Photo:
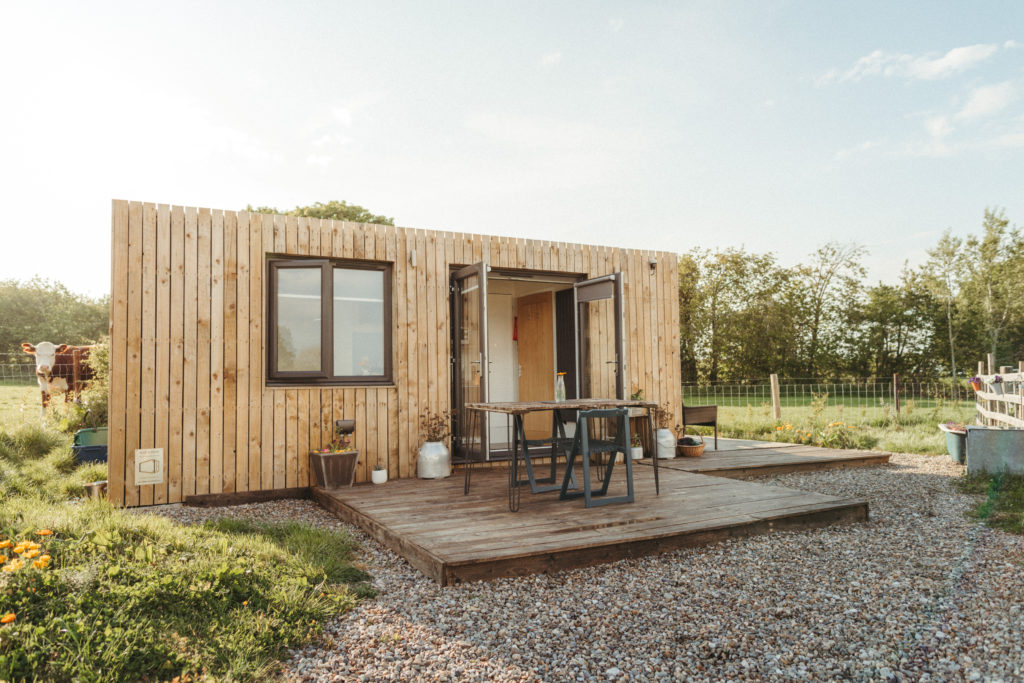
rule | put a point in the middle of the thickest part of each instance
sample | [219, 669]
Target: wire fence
[17, 369]
[804, 392]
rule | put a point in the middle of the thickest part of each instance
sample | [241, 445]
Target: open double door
[596, 324]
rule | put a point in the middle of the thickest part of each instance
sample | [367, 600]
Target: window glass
[298, 319]
[358, 322]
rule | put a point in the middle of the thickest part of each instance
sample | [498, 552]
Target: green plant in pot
[335, 464]
[434, 460]
[636, 450]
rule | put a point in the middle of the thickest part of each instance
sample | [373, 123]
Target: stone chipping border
[920, 592]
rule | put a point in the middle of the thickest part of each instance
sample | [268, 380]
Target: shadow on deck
[451, 537]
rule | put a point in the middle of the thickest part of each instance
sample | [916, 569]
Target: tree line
[744, 315]
[45, 310]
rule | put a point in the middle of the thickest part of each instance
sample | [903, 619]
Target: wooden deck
[451, 537]
[738, 458]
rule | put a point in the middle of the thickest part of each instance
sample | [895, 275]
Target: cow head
[46, 356]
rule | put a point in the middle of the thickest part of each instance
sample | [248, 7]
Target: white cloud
[858, 149]
[551, 134]
[1010, 44]
[986, 100]
[342, 115]
[902, 65]
[321, 160]
[1009, 140]
[615, 25]
[938, 126]
[551, 59]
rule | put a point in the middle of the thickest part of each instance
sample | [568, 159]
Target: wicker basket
[689, 447]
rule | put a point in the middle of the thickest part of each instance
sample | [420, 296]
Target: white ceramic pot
[379, 476]
[434, 461]
[666, 444]
[637, 452]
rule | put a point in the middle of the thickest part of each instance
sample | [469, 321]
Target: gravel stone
[919, 592]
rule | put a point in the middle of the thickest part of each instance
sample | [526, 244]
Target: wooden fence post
[991, 358]
[896, 391]
[1020, 389]
[776, 401]
[977, 401]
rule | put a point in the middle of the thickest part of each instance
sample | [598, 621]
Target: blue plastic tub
[90, 445]
[90, 453]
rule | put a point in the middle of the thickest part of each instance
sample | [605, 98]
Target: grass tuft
[1003, 504]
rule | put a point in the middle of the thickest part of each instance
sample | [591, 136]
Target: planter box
[333, 470]
[995, 450]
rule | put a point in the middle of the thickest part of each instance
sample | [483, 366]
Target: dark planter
[332, 470]
[956, 444]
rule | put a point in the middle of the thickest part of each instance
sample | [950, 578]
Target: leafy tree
[45, 310]
[333, 210]
[689, 301]
[893, 331]
[996, 270]
[830, 285]
[943, 276]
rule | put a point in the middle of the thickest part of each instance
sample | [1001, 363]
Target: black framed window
[330, 322]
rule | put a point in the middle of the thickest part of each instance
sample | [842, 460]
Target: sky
[768, 125]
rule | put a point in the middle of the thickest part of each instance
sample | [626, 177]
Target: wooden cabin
[238, 338]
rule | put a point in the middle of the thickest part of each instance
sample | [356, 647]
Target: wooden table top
[522, 407]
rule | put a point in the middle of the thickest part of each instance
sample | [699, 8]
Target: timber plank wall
[188, 343]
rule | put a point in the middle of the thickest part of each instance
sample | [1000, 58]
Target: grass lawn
[18, 403]
[1003, 503]
[915, 430]
[91, 592]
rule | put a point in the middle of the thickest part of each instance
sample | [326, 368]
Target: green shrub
[130, 597]
[71, 417]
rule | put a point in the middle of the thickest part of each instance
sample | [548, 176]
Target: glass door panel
[469, 299]
[600, 337]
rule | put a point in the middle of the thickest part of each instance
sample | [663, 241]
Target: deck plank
[452, 537]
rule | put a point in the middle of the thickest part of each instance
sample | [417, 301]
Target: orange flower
[44, 532]
[5, 544]
[32, 545]
[29, 554]
[7, 618]
[42, 563]
[13, 566]
[20, 548]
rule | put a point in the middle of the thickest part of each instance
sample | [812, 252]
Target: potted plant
[434, 460]
[334, 465]
[997, 385]
[956, 440]
[636, 450]
[666, 439]
[379, 475]
[975, 383]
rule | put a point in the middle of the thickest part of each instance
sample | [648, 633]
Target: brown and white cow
[60, 368]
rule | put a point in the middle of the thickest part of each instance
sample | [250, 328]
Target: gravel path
[918, 593]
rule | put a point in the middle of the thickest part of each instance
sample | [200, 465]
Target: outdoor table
[516, 410]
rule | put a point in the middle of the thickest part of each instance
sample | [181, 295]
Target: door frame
[598, 289]
[461, 423]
